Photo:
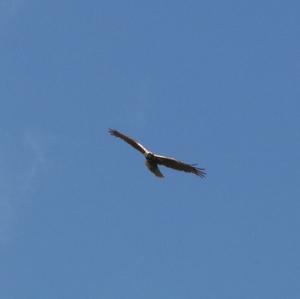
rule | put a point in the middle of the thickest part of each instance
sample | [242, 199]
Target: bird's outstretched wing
[178, 165]
[129, 140]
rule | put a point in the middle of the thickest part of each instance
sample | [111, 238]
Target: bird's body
[153, 160]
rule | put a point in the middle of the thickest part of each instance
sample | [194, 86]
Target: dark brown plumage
[153, 160]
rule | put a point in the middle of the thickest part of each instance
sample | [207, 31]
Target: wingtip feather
[200, 172]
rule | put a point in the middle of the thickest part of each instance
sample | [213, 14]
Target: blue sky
[212, 82]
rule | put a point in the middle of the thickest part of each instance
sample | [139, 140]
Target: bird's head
[149, 156]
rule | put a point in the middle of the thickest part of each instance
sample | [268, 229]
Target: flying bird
[153, 160]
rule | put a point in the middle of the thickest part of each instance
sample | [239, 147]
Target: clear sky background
[208, 82]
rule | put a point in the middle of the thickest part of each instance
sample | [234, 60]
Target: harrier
[153, 160]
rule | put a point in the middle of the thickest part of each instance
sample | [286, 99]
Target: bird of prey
[153, 160]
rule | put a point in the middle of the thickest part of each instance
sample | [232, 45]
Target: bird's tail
[154, 169]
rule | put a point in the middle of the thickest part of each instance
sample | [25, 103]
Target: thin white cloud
[38, 160]
[21, 163]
